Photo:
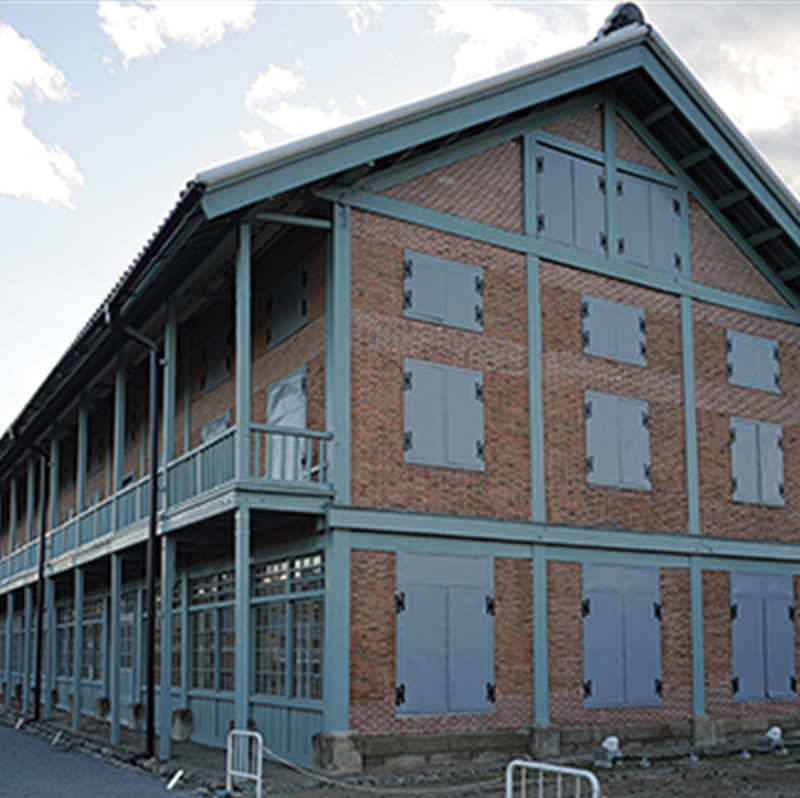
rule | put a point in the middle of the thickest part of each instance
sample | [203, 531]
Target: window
[215, 360]
[95, 452]
[289, 615]
[93, 639]
[762, 637]
[757, 462]
[17, 642]
[175, 648]
[65, 641]
[621, 636]
[68, 465]
[287, 305]
[617, 441]
[571, 200]
[752, 361]
[131, 420]
[126, 640]
[211, 620]
[286, 407]
[216, 427]
[614, 330]
[649, 224]
[443, 415]
[442, 291]
[445, 634]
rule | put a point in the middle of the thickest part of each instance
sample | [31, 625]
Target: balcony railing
[280, 456]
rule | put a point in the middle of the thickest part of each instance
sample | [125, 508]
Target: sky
[108, 109]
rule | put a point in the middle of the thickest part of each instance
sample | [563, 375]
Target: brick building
[480, 417]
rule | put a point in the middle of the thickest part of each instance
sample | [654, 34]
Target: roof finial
[624, 14]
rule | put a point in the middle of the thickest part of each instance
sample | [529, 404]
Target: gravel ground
[670, 774]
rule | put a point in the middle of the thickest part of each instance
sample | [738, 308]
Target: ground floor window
[93, 647]
[65, 641]
[213, 631]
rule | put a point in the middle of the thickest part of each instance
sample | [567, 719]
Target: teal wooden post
[535, 404]
[50, 646]
[55, 468]
[185, 642]
[187, 393]
[337, 369]
[336, 677]
[541, 697]
[114, 695]
[168, 554]
[698, 650]
[690, 417]
[9, 641]
[120, 411]
[26, 649]
[243, 355]
[12, 511]
[242, 617]
[30, 508]
[170, 379]
[78, 652]
[83, 449]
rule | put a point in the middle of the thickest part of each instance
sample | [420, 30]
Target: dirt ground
[761, 775]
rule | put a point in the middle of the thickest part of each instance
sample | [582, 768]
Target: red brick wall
[631, 148]
[372, 651]
[717, 635]
[382, 338]
[485, 187]
[568, 372]
[585, 127]
[565, 655]
[718, 262]
[717, 401]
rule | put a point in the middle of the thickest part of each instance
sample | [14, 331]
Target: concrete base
[704, 730]
[336, 753]
[102, 707]
[136, 716]
[182, 725]
[545, 741]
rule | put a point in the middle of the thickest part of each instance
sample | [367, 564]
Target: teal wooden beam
[50, 663]
[611, 167]
[337, 366]
[690, 418]
[170, 379]
[241, 709]
[114, 691]
[27, 646]
[535, 399]
[83, 450]
[698, 650]
[78, 596]
[9, 643]
[185, 652]
[337, 632]
[541, 687]
[168, 556]
[243, 354]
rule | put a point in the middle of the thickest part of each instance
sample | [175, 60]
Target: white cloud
[254, 139]
[496, 36]
[270, 86]
[143, 28]
[28, 167]
[361, 13]
[298, 120]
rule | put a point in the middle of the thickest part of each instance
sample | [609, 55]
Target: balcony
[281, 460]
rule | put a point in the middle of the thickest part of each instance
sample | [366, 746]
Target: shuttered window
[443, 415]
[762, 637]
[650, 223]
[287, 305]
[216, 427]
[442, 291]
[571, 200]
[445, 634]
[286, 407]
[621, 636]
[617, 441]
[752, 361]
[614, 330]
[216, 359]
[757, 462]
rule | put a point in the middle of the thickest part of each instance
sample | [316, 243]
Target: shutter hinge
[791, 612]
[735, 684]
[490, 605]
[586, 608]
[540, 164]
[793, 683]
[728, 343]
[587, 410]
[585, 309]
[601, 183]
[642, 325]
[399, 603]
[678, 263]
[479, 285]
[676, 207]
[647, 472]
[729, 370]
[621, 246]
[399, 694]
[586, 338]
[734, 611]
[407, 438]
[479, 392]
[656, 610]
[659, 687]
[540, 223]
[304, 308]
[620, 189]
[780, 490]
[603, 241]
[587, 688]
[479, 452]
[646, 420]
[643, 349]
[780, 443]
[778, 381]
[490, 692]
[734, 484]
[733, 435]
[408, 268]
[407, 299]
[776, 353]
[479, 315]
[408, 381]
[590, 464]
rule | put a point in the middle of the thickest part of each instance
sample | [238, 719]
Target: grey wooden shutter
[424, 280]
[216, 427]
[642, 649]
[422, 650]
[665, 208]
[602, 439]
[216, 359]
[590, 206]
[779, 629]
[464, 297]
[287, 305]
[747, 649]
[554, 194]
[633, 214]
[744, 460]
[770, 458]
[423, 413]
[464, 418]
[603, 669]
[634, 443]
[470, 650]
[614, 330]
[752, 361]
